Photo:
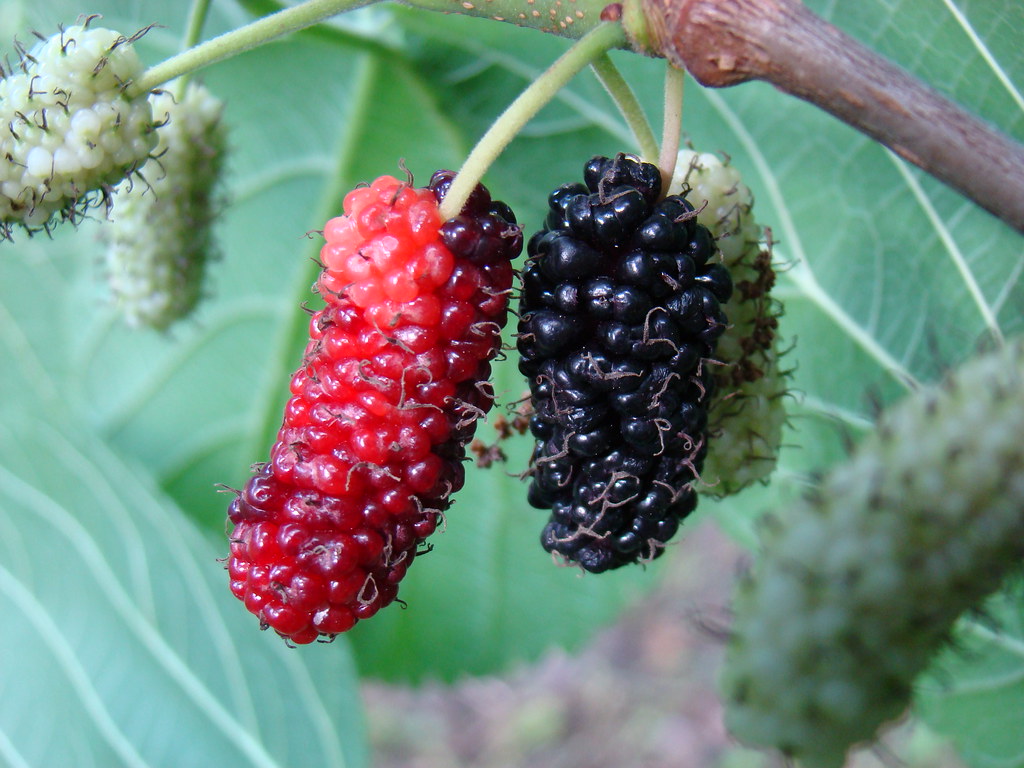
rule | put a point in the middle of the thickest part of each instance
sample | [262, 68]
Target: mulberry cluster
[394, 379]
[70, 126]
[748, 411]
[161, 231]
[860, 584]
[620, 313]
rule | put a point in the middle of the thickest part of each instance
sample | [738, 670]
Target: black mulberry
[620, 313]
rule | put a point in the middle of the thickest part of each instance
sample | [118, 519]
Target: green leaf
[117, 625]
[976, 690]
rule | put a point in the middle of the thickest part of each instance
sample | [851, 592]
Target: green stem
[193, 28]
[674, 81]
[519, 112]
[194, 25]
[243, 39]
[628, 105]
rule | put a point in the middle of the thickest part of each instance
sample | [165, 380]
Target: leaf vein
[198, 588]
[10, 753]
[239, 311]
[1000, 639]
[801, 273]
[985, 53]
[1008, 286]
[50, 635]
[63, 522]
[955, 254]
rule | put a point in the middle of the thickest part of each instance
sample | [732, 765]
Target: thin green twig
[628, 105]
[194, 26]
[595, 43]
[193, 29]
[675, 79]
[243, 39]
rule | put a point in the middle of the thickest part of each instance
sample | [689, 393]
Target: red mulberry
[394, 378]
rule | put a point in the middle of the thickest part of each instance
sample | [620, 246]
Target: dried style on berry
[621, 310]
[160, 233]
[71, 129]
[394, 380]
[860, 584]
[748, 410]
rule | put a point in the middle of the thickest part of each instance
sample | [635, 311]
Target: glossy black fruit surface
[620, 313]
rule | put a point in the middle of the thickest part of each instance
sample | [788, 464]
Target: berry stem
[193, 29]
[194, 26]
[628, 105]
[243, 39]
[594, 44]
[675, 79]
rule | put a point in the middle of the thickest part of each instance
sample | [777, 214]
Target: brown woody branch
[725, 42]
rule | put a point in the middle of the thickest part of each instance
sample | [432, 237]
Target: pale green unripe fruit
[724, 201]
[160, 232]
[748, 411]
[860, 584]
[70, 127]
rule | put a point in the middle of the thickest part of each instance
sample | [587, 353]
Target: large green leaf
[975, 692]
[121, 646]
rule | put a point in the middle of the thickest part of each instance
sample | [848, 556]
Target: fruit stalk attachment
[675, 79]
[628, 106]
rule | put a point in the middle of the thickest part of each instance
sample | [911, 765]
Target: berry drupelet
[620, 312]
[394, 379]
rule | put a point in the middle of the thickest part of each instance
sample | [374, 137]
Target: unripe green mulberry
[161, 226]
[70, 127]
[860, 584]
[747, 411]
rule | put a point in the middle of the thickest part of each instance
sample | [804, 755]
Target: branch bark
[725, 42]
